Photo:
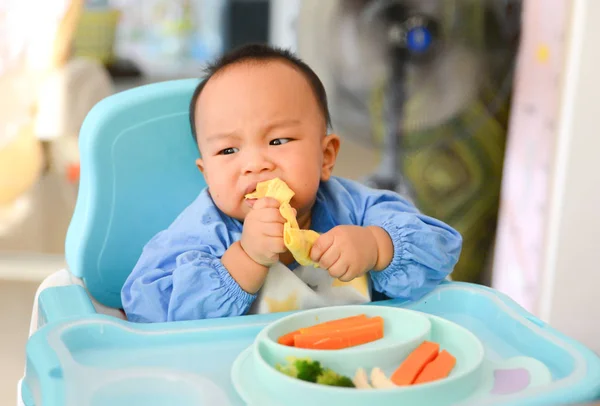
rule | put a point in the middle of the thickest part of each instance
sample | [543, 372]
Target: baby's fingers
[272, 229]
[276, 245]
[269, 215]
[330, 258]
[321, 246]
[266, 203]
[340, 270]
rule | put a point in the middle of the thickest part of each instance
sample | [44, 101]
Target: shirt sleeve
[179, 275]
[425, 249]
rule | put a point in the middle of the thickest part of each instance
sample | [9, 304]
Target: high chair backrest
[138, 173]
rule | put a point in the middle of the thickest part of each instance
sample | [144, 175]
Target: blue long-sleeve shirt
[179, 275]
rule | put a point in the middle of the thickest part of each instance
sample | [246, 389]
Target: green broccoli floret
[312, 371]
[289, 370]
[332, 378]
[304, 369]
[308, 370]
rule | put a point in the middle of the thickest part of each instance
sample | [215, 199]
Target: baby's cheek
[308, 190]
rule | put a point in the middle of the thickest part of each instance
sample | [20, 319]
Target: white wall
[282, 30]
[569, 297]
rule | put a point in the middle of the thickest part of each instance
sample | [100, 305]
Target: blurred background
[467, 107]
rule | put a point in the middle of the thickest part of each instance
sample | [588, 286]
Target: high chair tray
[94, 359]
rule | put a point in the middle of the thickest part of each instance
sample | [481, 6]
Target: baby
[261, 114]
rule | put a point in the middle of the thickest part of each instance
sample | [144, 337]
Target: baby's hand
[262, 236]
[346, 252]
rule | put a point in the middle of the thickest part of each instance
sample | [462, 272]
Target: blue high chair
[137, 174]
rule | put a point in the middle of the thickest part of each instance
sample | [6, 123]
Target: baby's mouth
[250, 192]
[251, 188]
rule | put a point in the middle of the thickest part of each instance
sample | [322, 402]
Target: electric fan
[428, 84]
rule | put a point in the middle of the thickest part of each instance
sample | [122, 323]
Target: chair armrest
[63, 302]
[64, 278]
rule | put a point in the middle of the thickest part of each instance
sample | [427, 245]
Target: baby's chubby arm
[248, 260]
[425, 250]
[183, 274]
[414, 252]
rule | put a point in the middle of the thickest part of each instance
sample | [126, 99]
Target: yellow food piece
[298, 241]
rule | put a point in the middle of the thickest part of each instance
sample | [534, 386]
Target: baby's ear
[200, 164]
[331, 147]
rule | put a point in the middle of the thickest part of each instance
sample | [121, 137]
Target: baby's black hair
[260, 52]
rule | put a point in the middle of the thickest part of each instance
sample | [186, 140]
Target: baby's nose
[257, 162]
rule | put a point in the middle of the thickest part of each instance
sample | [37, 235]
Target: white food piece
[361, 381]
[379, 380]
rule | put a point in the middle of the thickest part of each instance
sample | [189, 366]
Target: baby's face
[260, 120]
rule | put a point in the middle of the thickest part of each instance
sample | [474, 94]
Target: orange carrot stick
[410, 368]
[340, 329]
[346, 341]
[288, 339]
[342, 337]
[345, 322]
[439, 368]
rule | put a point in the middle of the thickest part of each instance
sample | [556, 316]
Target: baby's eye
[228, 151]
[279, 141]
